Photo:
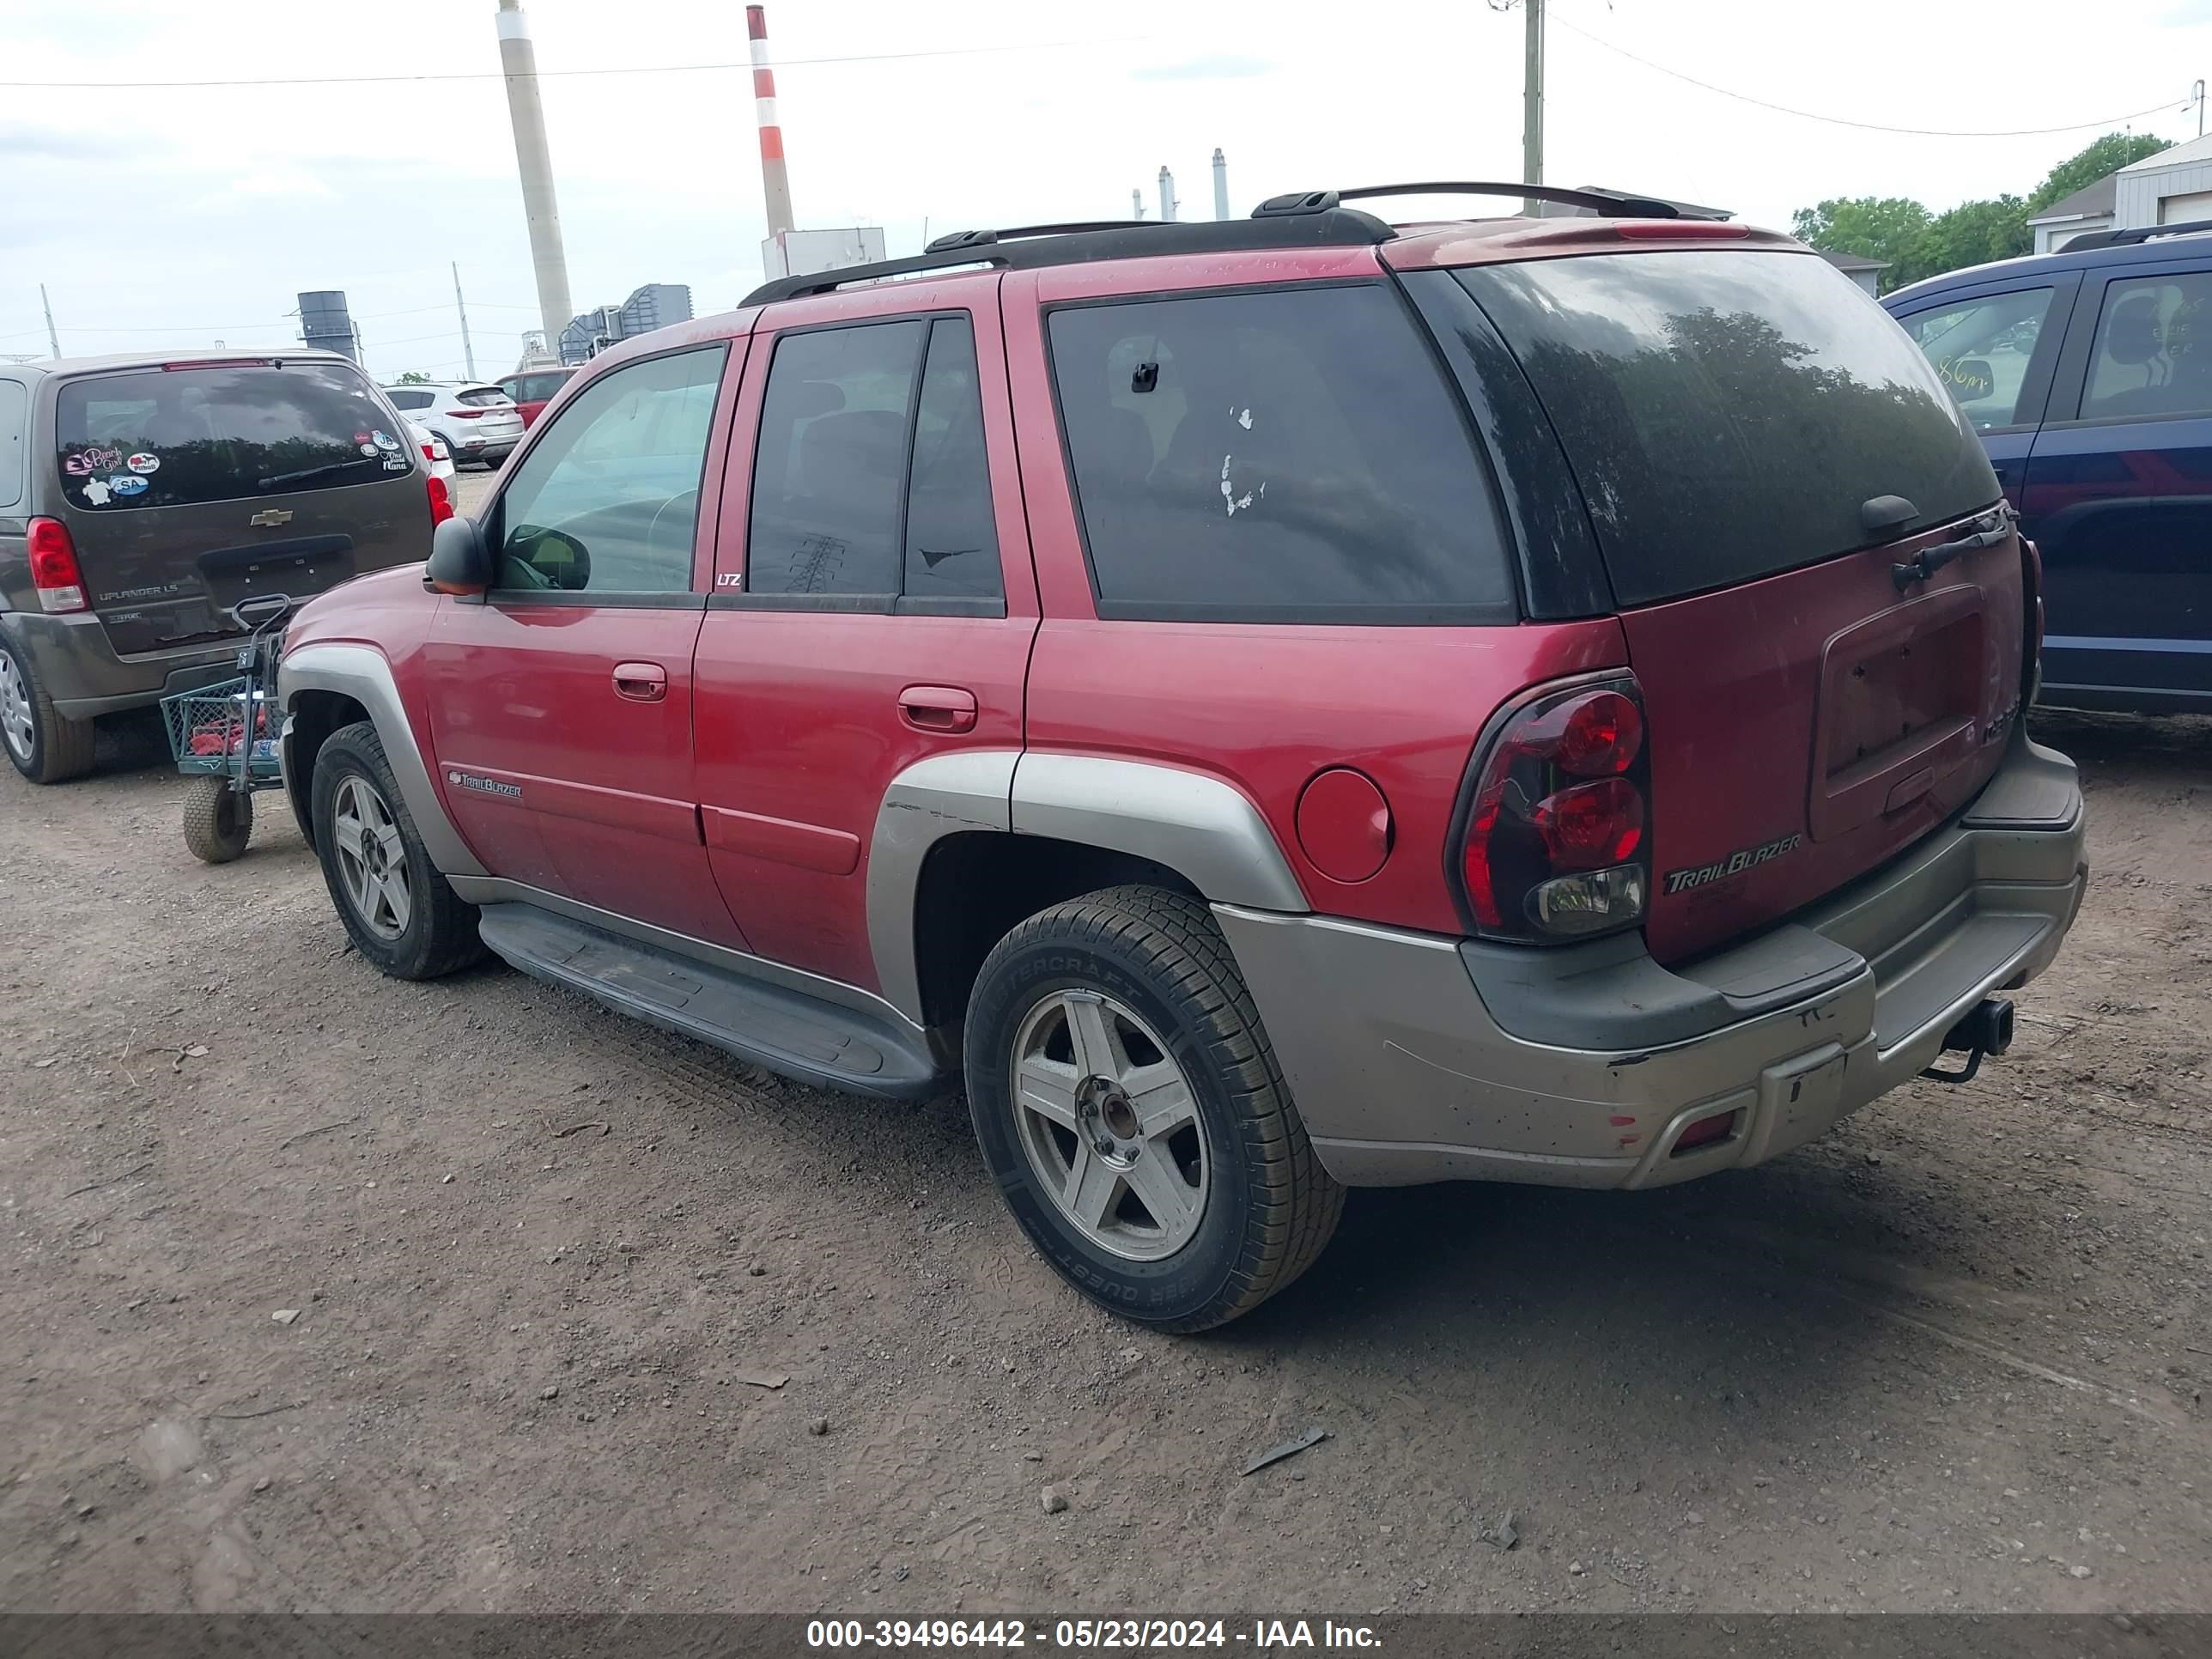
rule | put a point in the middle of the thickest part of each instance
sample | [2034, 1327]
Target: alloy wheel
[15, 724]
[1110, 1124]
[372, 857]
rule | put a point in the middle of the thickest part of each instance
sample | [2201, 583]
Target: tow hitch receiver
[1985, 1030]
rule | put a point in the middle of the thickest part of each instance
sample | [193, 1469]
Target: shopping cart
[224, 736]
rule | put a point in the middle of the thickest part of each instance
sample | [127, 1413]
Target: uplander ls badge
[1681, 881]
[461, 779]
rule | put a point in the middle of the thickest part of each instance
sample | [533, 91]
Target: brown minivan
[140, 499]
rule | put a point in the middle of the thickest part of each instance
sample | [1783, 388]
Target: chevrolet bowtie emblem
[273, 515]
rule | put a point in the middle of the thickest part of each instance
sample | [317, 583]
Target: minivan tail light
[441, 504]
[1557, 817]
[54, 571]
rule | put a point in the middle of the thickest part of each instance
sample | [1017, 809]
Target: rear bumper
[1416, 1058]
[482, 446]
[73, 659]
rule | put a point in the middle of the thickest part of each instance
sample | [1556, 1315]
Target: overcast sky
[174, 218]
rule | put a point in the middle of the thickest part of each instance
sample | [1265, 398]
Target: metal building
[654, 305]
[326, 324]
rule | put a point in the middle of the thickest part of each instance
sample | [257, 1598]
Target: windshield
[175, 437]
[1727, 414]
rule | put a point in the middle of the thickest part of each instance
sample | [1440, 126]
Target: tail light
[441, 504]
[466, 413]
[54, 569]
[429, 452]
[1557, 817]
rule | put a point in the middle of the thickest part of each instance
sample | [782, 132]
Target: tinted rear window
[1727, 414]
[1292, 454]
[176, 437]
[482, 397]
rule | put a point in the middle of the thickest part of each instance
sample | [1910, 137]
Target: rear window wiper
[1991, 528]
[324, 471]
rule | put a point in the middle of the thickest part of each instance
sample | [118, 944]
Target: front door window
[608, 502]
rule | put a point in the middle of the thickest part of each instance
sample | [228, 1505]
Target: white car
[434, 449]
[478, 423]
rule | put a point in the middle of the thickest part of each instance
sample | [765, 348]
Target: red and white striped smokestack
[776, 182]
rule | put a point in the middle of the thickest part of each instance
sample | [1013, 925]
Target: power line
[546, 74]
[1842, 121]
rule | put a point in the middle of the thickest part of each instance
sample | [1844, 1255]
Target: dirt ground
[1954, 1356]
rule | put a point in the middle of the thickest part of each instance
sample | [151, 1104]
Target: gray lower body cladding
[1415, 1058]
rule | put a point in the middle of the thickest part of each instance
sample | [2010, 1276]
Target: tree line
[1916, 243]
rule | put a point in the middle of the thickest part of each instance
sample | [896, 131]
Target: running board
[786, 1030]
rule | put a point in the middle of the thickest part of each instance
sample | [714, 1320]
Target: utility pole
[52, 339]
[2196, 92]
[1532, 104]
[468, 351]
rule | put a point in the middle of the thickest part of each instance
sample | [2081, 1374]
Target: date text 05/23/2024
[1123, 1635]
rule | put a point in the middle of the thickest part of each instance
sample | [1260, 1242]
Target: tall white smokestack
[518, 58]
[1220, 185]
[1166, 196]
[775, 181]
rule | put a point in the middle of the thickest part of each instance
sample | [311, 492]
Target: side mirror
[460, 562]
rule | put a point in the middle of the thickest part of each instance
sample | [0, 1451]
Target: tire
[45, 746]
[218, 820]
[398, 906]
[1239, 1206]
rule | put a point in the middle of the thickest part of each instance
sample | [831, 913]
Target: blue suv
[2088, 374]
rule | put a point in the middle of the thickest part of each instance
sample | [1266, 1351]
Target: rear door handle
[641, 682]
[938, 708]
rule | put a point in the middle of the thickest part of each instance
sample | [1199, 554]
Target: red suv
[1272, 705]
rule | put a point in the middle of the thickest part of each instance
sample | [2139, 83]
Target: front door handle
[938, 708]
[641, 682]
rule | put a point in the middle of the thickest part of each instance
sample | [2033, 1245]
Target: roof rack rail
[1030, 248]
[1607, 203]
[2089, 239]
[987, 238]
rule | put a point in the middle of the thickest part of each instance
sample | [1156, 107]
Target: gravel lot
[1954, 1356]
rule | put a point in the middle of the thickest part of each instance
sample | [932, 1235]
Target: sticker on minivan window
[85, 462]
[95, 492]
[144, 463]
[126, 484]
[383, 440]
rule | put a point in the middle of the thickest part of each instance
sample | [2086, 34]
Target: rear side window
[1982, 349]
[871, 482]
[1291, 455]
[174, 438]
[1727, 414]
[405, 398]
[2154, 351]
[951, 539]
[15, 418]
